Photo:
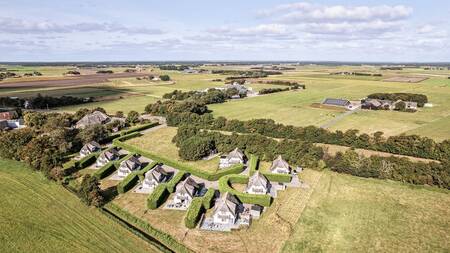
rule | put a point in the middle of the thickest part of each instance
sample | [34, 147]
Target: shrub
[253, 163]
[87, 160]
[164, 77]
[282, 178]
[175, 180]
[208, 198]
[224, 186]
[105, 170]
[127, 183]
[194, 212]
[139, 128]
[158, 196]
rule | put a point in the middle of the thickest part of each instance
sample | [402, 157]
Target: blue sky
[50, 30]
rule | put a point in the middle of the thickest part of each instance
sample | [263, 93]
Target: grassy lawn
[160, 142]
[350, 214]
[37, 215]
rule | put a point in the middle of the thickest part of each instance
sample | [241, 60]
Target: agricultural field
[291, 107]
[38, 215]
[350, 214]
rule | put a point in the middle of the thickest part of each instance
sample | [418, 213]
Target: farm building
[185, 191]
[226, 210]
[154, 177]
[280, 166]
[128, 166]
[90, 148]
[94, 118]
[343, 103]
[234, 157]
[377, 104]
[107, 156]
[257, 184]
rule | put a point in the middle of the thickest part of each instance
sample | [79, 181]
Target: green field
[350, 214]
[37, 215]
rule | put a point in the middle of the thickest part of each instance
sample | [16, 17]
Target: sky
[225, 30]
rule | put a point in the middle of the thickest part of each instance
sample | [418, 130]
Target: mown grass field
[350, 214]
[37, 215]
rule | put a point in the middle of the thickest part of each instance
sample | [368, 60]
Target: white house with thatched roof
[185, 192]
[234, 157]
[128, 166]
[226, 210]
[107, 156]
[280, 166]
[93, 118]
[154, 177]
[257, 184]
[89, 148]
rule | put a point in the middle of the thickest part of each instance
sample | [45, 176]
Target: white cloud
[21, 26]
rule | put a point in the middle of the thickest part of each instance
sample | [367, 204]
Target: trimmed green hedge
[253, 164]
[282, 178]
[128, 182]
[208, 198]
[147, 168]
[158, 196]
[194, 212]
[166, 239]
[175, 180]
[202, 174]
[126, 137]
[73, 166]
[224, 186]
[105, 170]
[139, 128]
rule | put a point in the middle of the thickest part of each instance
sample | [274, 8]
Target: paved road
[339, 117]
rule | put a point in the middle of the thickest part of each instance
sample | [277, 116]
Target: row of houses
[228, 211]
[279, 166]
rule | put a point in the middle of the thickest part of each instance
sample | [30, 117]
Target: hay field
[37, 215]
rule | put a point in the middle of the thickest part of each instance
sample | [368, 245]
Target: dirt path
[339, 117]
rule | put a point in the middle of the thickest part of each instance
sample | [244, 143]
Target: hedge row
[73, 166]
[105, 170]
[127, 137]
[208, 198]
[194, 212]
[253, 164]
[147, 168]
[224, 186]
[282, 178]
[175, 180]
[202, 174]
[139, 128]
[128, 182]
[158, 196]
[165, 239]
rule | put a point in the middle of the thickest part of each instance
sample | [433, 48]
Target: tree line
[410, 97]
[42, 102]
[197, 114]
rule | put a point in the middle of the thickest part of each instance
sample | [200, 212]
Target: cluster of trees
[105, 72]
[284, 83]
[411, 145]
[172, 106]
[212, 96]
[240, 74]
[195, 143]
[34, 73]
[356, 73]
[164, 77]
[412, 97]
[174, 67]
[7, 74]
[73, 72]
[42, 102]
[274, 90]
[393, 168]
